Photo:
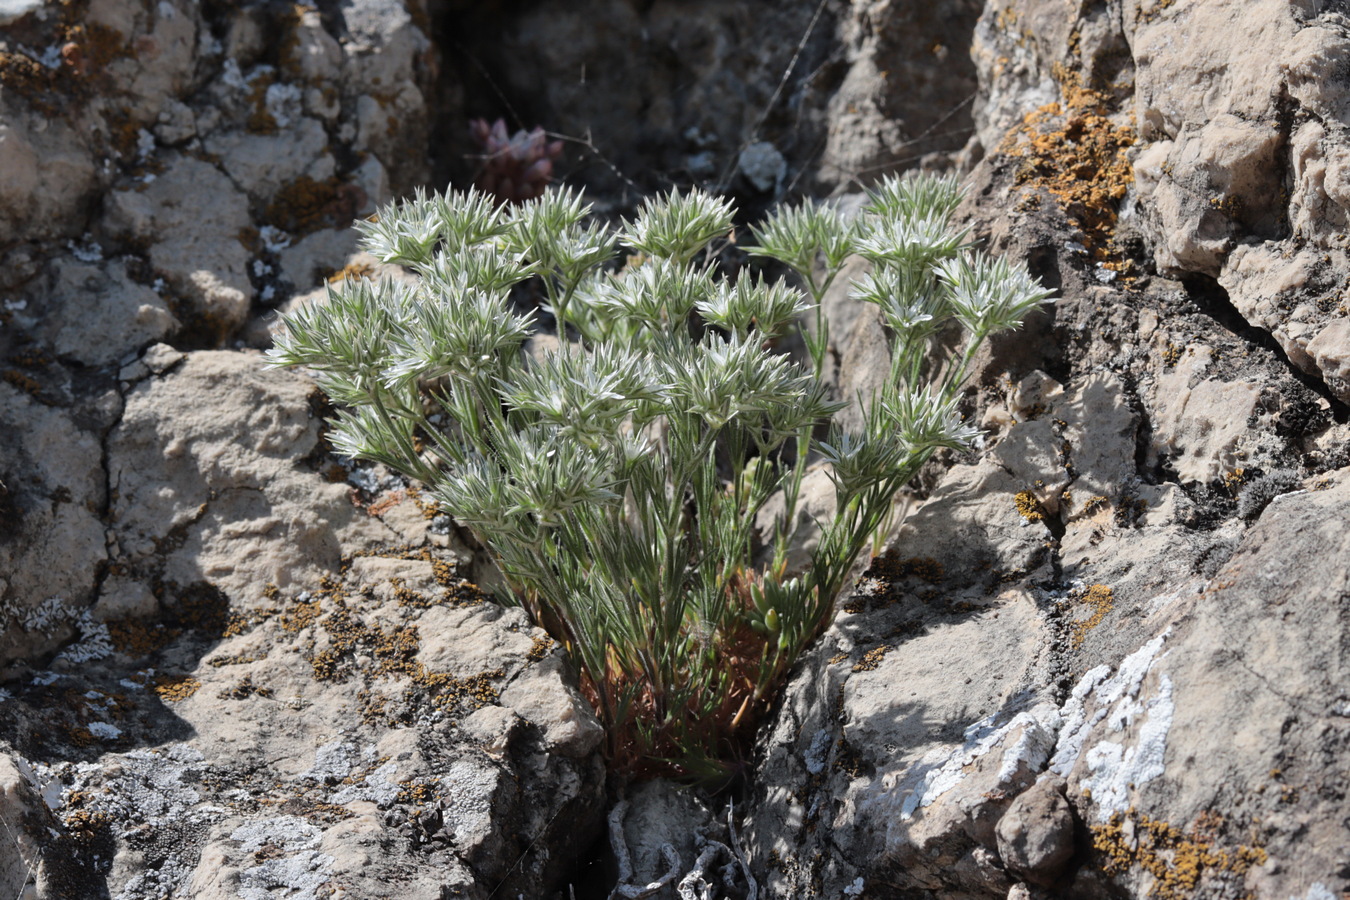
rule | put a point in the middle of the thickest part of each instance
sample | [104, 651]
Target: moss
[1177, 860]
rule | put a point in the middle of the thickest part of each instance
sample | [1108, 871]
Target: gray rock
[200, 255]
[1036, 834]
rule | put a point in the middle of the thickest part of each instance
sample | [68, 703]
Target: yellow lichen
[1028, 507]
[1099, 599]
[1177, 860]
[871, 659]
[175, 688]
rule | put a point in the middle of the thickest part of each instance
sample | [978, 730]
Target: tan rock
[200, 254]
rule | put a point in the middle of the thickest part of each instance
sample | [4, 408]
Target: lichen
[175, 688]
[1028, 507]
[1077, 153]
[1178, 860]
[1099, 599]
[306, 205]
[871, 659]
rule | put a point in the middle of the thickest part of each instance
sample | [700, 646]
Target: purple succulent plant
[516, 167]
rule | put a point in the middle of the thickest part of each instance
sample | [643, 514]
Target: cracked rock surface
[1102, 655]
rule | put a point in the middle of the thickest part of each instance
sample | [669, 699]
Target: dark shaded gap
[1212, 300]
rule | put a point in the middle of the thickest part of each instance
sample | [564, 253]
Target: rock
[891, 106]
[200, 255]
[1202, 422]
[388, 74]
[213, 493]
[1035, 835]
[816, 503]
[311, 743]
[261, 164]
[763, 166]
[661, 813]
[12, 10]
[159, 56]
[23, 870]
[51, 540]
[48, 178]
[311, 260]
[99, 314]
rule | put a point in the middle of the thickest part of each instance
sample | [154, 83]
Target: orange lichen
[1177, 860]
[351, 272]
[306, 205]
[539, 648]
[871, 659]
[175, 688]
[1074, 151]
[136, 638]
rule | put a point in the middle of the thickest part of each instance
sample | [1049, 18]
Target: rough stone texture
[95, 313]
[1240, 168]
[680, 90]
[1035, 835]
[200, 255]
[905, 91]
[310, 746]
[1101, 509]
[1135, 586]
[214, 493]
[51, 542]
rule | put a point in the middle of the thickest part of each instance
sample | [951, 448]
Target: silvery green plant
[617, 477]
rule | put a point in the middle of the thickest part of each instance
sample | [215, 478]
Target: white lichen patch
[161, 883]
[105, 731]
[468, 789]
[283, 102]
[95, 642]
[332, 762]
[379, 787]
[1116, 767]
[1114, 770]
[297, 873]
[944, 769]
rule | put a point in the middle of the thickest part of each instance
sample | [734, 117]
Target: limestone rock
[200, 255]
[307, 741]
[98, 314]
[48, 177]
[213, 492]
[51, 541]
[1035, 835]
